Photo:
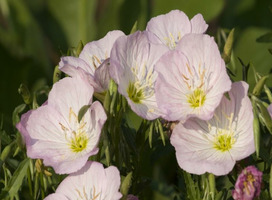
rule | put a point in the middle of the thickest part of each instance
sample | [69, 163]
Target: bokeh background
[34, 34]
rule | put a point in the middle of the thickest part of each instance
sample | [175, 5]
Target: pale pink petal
[196, 65]
[92, 180]
[70, 93]
[102, 76]
[69, 65]
[170, 28]
[198, 149]
[132, 63]
[54, 133]
[21, 126]
[198, 24]
[96, 52]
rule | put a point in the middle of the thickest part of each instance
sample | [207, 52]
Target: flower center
[171, 41]
[134, 93]
[223, 142]
[79, 142]
[76, 136]
[197, 98]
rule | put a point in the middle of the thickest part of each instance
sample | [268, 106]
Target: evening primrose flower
[214, 146]
[92, 182]
[248, 184]
[191, 79]
[93, 60]
[132, 68]
[171, 27]
[54, 133]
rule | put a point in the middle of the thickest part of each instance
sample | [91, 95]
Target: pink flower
[93, 60]
[214, 146]
[191, 79]
[171, 27]
[53, 133]
[132, 67]
[248, 184]
[132, 197]
[92, 182]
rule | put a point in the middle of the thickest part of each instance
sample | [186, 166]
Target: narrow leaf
[24, 92]
[150, 134]
[16, 112]
[126, 184]
[161, 131]
[57, 74]
[259, 86]
[82, 112]
[212, 185]
[134, 28]
[256, 128]
[228, 47]
[16, 181]
[266, 38]
[266, 116]
[79, 48]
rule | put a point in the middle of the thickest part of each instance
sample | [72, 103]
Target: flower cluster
[172, 70]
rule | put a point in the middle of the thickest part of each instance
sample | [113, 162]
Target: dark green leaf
[134, 28]
[266, 38]
[265, 116]
[228, 47]
[256, 128]
[259, 86]
[24, 92]
[56, 75]
[16, 181]
[82, 112]
[16, 112]
[126, 184]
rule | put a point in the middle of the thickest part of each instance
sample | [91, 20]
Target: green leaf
[265, 116]
[126, 184]
[212, 185]
[6, 152]
[161, 131]
[106, 102]
[82, 112]
[259, 86]
[24, 92]
[266, 38]
[79, 48]
[134, 28]
[56, 75]
[16, 112]
[16, 181]
[228, 47]
[190, 186]
[256, 128]
[150, 135]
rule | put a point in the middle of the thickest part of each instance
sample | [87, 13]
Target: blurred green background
[35, 33]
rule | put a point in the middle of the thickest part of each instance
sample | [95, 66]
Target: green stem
[212, 188]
